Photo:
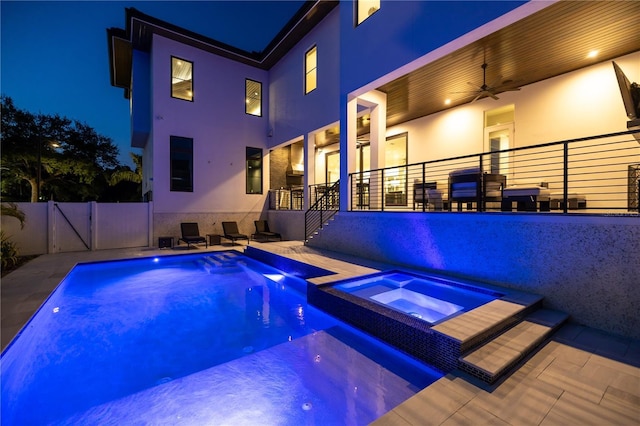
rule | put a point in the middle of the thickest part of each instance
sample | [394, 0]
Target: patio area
[581, 376]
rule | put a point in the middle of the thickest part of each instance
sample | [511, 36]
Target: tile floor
[582, 376]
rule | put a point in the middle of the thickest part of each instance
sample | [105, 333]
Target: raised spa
[400, 308]
[427, 298]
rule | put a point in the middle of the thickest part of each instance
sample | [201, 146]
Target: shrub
[8, 251]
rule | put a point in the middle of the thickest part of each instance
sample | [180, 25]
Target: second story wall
[292, 112]
[402, 31]
[216, 122]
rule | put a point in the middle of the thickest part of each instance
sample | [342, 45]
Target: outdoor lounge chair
[191, 234]
[263, 233]
[230, 230]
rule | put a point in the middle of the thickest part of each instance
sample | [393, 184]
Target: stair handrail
[322, 210]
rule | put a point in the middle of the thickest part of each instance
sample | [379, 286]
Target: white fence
[64, 227]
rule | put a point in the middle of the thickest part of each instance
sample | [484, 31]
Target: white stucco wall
[292, 113]
[216, 121]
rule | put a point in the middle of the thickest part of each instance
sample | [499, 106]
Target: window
[181, 153]
[254, 170]
[181, 79]
[366, 8]
[253, 97]
[311, 70]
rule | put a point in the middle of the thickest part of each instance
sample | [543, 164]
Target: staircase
[488, 342]
[322, 211]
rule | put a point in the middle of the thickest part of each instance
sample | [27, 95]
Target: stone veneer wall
[585, 265]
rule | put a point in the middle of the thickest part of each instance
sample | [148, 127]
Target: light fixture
[592, 54]
[447, 101]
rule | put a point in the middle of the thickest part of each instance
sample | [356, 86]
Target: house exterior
[221, 129]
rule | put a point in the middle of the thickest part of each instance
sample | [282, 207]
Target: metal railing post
[565, 183]
[424, 189]
[382, 201]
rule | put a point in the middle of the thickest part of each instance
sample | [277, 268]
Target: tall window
[181, 153]
[253, 97]
[254, 170]
[181, 79]
[366, 8]
[311, 70]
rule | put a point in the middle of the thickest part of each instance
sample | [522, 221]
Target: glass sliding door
[395, 176]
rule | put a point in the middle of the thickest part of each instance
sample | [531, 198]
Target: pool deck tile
[581, 376]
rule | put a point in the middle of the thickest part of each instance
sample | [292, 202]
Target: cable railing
[598, 174]
[286, 198]
[324, 208]
[291, 198]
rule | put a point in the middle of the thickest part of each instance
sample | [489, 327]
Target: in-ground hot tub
[400, 307]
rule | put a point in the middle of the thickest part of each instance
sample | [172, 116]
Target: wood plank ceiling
[551, 42]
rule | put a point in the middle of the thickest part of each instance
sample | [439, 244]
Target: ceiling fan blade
[476, 98]
[475, 86]
[495, 81]
[493, 96]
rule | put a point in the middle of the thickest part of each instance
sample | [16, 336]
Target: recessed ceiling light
[592, 54]
[447, 101]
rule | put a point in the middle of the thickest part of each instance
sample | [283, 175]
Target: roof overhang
[120, 56]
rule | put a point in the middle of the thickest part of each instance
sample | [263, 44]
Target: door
[499, 138]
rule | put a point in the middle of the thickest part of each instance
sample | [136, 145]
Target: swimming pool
[203, 339]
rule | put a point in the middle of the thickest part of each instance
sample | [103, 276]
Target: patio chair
[427, 195]
[191, 234]
[230, 230]
[263, 233]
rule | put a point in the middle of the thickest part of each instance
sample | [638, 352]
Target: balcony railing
[286, 198]
[599, 174]
[291, 198]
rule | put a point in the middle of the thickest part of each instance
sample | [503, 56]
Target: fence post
[93, 230]
[51, 228]
[150, 223]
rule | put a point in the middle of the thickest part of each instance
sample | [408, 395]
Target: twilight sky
[54, 56]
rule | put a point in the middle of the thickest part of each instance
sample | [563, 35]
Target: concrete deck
[581, 377]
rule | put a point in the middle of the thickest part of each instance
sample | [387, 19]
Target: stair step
[495, 358]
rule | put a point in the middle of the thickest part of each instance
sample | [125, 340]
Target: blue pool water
[431, 299]
[196, 339]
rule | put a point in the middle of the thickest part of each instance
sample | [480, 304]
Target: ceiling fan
[487, 89]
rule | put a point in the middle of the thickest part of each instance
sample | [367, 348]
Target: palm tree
[8, 249]
[11, 209]
[126, 174]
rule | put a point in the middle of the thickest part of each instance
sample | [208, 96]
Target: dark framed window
[254, 170]
[364, 9]
[181, 154]
[253, 97]
[311, 70]
[181, 79]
